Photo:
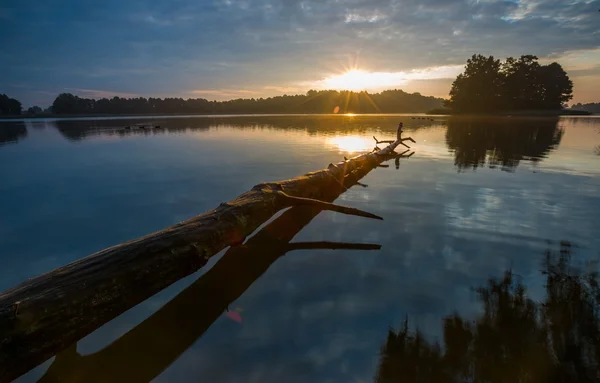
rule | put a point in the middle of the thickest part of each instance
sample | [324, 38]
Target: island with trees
[515, 86]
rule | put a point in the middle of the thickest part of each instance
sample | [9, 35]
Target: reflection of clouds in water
[426, 269]
[454, 259]
[321, 315]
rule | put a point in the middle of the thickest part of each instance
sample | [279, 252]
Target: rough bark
[46, 314]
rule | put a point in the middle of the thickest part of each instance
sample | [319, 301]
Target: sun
[354, 79]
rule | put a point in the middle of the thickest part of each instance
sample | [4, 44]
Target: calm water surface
[479, 197]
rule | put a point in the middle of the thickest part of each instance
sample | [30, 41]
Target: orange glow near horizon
[354, 78]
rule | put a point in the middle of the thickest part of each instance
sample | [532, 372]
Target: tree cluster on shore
[9, 106]
[592, 107]
[488, 85]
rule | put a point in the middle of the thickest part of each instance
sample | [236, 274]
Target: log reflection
[148, 349]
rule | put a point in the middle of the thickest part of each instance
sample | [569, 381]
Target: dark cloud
[155, 47]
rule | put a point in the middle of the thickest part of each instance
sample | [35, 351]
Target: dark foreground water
[515, 200]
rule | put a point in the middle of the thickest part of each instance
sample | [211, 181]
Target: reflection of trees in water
[514, 340]
[597, 149]
[76, 130]
[501, 141]
[11, 132]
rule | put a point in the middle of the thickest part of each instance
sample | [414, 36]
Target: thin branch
[383, 142]
[299, 201]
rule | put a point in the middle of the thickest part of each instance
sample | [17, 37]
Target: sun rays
[355, 80]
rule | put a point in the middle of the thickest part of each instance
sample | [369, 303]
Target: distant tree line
[489, 85]
[327, 101]
[9, 106]
[34, 110]
[592, 107]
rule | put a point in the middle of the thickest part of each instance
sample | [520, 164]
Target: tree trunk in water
[48, 313]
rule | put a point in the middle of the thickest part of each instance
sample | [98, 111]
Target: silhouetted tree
[556, 87]
[479, 88]
[34, 110]
[9, 106]
[516, 84]
[515, 339]
[65, 103]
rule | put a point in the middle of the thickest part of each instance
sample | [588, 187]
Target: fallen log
[46, 314]
[144, 352]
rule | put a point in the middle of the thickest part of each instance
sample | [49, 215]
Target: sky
[224, 49]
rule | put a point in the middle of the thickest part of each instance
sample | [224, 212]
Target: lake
[479, 198]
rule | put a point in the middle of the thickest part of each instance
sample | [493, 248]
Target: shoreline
[192, 115]
[428, 113]
[516, 113]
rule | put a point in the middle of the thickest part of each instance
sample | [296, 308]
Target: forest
[592, 107]
[325, 101]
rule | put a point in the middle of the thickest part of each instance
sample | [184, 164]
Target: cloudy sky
[222, 49]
